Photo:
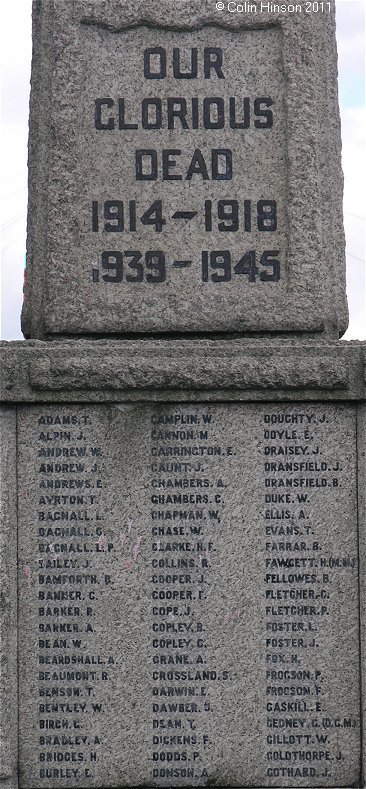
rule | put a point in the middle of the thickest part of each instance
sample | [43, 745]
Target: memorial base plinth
[182, 543]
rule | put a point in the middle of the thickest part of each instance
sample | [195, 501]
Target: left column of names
[64, 572]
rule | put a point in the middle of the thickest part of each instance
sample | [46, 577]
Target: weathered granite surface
[192, 507]
[226, 267]
[177, 369]
[49, 375]
[361, 466]
[188, 581]
[8, 601]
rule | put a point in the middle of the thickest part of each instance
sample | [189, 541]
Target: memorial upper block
[184, 169]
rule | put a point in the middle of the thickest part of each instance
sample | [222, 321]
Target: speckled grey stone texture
[265, 582]
[8, 602]
[361, 461]
[88, 50]
[184, 369]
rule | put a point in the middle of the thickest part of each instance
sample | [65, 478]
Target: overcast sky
[16, 57]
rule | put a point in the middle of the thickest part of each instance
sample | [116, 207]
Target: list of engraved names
[188, 595]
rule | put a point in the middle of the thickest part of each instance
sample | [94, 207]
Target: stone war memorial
[183, 430]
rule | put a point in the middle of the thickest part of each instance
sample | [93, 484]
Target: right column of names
[310, 560]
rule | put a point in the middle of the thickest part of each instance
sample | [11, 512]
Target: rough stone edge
[336, 177]
[8, 604]
[172, 370]
[361, 463]
[38, 147]
[149, 372]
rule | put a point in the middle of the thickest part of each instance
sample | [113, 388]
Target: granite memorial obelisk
[183, 500]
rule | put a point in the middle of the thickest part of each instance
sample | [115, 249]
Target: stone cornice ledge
[80, 370]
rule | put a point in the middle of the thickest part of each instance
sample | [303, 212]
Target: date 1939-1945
[133, 266]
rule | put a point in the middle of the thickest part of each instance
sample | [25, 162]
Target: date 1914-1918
[117, 216]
